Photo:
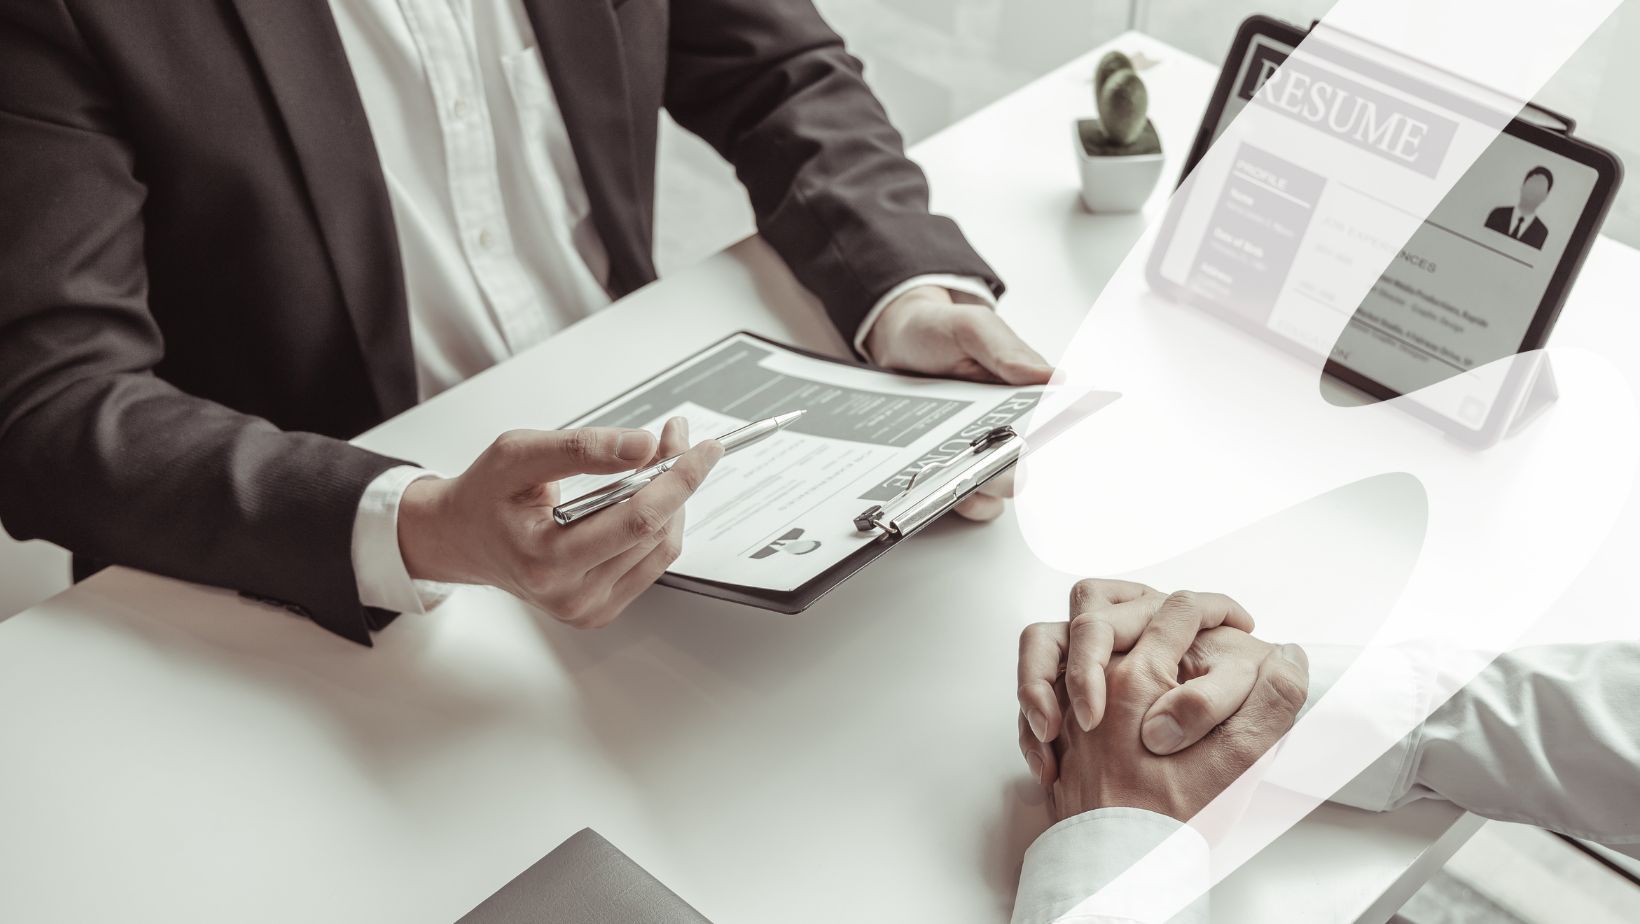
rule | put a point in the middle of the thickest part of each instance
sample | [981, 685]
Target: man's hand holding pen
[493, 523]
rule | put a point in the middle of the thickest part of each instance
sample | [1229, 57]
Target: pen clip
[616, 491]
[904, 513]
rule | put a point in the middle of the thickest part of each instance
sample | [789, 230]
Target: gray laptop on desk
[584, 881]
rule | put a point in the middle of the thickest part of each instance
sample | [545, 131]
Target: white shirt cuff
[1068, 868]
[1386, 703]
[962, 288]
[378, 565]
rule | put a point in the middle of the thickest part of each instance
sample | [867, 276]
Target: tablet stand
[1541, 392]
[1536, 390]
[1533, 391]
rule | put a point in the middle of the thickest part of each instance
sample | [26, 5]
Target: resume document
[781, 512]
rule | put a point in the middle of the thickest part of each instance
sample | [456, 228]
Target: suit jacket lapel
[581, 44]
[306, 66]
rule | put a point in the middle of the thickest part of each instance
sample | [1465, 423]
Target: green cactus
[1123, 107]
[1124, 103]
[1112, 62]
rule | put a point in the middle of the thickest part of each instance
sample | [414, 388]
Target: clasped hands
[1150, 700]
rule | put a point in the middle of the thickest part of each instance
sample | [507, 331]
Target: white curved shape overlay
[1215, 430]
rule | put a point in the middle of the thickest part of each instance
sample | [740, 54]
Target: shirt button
[486, 240]
[459, 107]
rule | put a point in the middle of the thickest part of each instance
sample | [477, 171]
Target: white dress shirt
[1542, 736]
[494, 226]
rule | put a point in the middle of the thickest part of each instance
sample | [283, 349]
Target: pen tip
[785, 419]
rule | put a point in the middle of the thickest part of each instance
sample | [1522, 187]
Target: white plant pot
[1115, 183]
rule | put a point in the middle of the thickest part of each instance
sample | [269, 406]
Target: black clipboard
[1530, 386]
[953, 479]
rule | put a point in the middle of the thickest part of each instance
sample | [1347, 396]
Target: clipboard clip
[984, 458]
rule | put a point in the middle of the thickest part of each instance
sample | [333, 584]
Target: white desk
[172, 753]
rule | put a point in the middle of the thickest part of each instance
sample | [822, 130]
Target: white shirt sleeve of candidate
[1073, 860]
[1542, 735]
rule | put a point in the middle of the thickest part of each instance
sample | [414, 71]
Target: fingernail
[634, 447]
[1084, 714]
[1034, 761]
[682, 423]
[1039, 724]
[1162, 735]
[1295, 654]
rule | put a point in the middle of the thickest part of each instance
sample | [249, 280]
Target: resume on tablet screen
[1267, 229]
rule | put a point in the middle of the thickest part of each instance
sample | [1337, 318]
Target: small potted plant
[1119, 153]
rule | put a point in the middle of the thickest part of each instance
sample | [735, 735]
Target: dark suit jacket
[1532, 235]
[200, 290]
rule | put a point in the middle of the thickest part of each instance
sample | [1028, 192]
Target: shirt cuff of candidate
[378, 565]
[1389, 703]
[962, 288]
[1068, 868]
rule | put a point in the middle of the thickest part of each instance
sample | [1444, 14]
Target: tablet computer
[1483, 277]
[584, 880]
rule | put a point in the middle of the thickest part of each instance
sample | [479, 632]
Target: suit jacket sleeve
[769, 85]
[98, 454]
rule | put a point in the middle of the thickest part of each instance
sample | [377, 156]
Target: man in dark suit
[235, 234]
[1520, 221]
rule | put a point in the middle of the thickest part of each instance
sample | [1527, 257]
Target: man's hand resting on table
[1166, 727]
[926, 331]
[493, 523]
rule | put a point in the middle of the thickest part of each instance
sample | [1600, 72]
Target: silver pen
[611, 494]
